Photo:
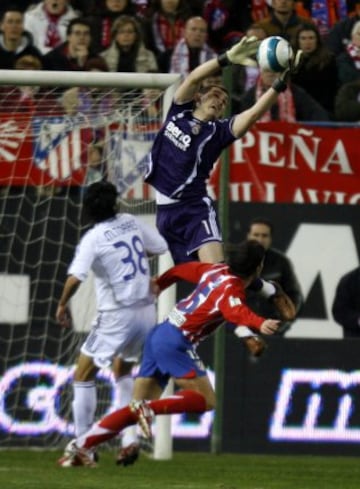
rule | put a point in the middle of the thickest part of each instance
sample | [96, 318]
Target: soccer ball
[274, 54]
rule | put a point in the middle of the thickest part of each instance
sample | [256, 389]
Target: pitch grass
[27, 469]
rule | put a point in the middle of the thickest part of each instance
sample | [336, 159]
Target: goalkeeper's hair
[206, 88]
[245, 257]
[100, 201]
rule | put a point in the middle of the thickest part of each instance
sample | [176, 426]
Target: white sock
[84, 406]
[123, 396]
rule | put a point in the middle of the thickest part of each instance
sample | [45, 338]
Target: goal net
[54, 141]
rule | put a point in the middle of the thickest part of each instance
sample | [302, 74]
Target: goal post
[60, 131]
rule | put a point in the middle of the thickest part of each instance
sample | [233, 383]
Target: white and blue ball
[274, 54]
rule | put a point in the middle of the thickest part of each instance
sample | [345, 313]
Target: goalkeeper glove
[280, 84]
[240, 53]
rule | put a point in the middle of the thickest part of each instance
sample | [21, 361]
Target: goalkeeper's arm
[241, 53]
[243, 121]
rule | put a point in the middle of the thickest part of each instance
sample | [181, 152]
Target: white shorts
[119, 333]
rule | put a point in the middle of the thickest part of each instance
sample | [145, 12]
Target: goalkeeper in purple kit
[184, 153]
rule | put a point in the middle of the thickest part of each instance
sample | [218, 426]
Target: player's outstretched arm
[190, 86]
[241, 53]
[242, 122]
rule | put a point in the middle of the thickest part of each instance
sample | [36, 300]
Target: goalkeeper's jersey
[115, 250]
[219, 296]
[185, 151]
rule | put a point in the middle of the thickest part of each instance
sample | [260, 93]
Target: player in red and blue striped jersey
[170, 348]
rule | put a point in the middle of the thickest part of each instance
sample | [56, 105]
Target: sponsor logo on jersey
[176, 318]
[177, 136]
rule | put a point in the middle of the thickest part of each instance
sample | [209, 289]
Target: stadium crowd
[178, 35]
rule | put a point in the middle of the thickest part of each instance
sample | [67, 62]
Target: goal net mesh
[54, 142]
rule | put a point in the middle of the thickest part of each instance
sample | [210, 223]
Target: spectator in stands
[32, 100]
[277, 267]
[347, 102]
[164, 26]
[127, 52]
[348, 62]
[258, 9]
[92, 102]
[92, 105]
[101, 19]
[324, 13]
[294, 104]
[192, 50]
[22, 5]
[47, 23]
[283, 20]
[346, 305]
[245, 77]
[228, 17]
[84, 7]
[317, 73]
[340, 34]
[14, 40]
[75, 52]
[217, 15]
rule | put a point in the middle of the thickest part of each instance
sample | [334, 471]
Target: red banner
[293, 163]
[42, 150]
[273, 162]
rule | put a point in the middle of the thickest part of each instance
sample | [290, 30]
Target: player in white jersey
[115, 249]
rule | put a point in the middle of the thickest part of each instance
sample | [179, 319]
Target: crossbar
[87, 79]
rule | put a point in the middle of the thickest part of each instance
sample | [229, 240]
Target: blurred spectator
[192, 50]
[14, 40]
[245, 77]
[283, 20]
[127, 52]
[294, 104]
[74, 101]
[164, 26]
[47, 22]
[324, 13]
[92, 106]
[277, 267]
[217, 14]
[340, 34]
[227, 18]
[348, 62]
[259, 9]
[101, 20]
[347, 102]
[75, 52]
[318, 71]
[346, 305]
[29, 99]
[93, 102]
[22, 5]
[84, 7]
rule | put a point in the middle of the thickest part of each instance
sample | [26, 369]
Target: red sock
[118, 420]
[107, 428]
[186, 401]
